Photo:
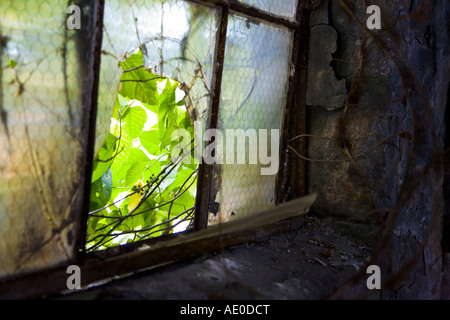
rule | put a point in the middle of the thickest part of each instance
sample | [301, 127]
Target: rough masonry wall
[377, 128]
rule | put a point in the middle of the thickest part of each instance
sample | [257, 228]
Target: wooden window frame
[290, 183]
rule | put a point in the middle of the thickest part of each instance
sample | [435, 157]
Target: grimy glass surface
[254, 93]
[284, 8]
[179, 40]
[42, 136]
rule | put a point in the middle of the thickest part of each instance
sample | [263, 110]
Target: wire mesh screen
[178, 38]
[42, 132]
[284, 8]
[253, 99]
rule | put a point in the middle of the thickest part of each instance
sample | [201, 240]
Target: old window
[236, 61]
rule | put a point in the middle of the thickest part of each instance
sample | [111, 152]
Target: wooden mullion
[90, 98]
[205, 180]
[251, 12]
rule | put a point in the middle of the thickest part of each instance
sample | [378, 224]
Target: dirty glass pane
[254, 93]
[284, 8]
[179, 40]
[42, 136]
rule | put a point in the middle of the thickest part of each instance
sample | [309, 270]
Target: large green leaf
[168, 95]
[185, 123]
[184, 202]
[157, 217]
[121, 170]
[152, 170]
[135, 172]
[128, 128]
[121, 102]
[136, 84]
[152, 107]
[167, 113]
[144, 211]
[133, 121]
[167, 124]
[180, 179]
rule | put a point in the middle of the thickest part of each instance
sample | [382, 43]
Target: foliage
[138, 190]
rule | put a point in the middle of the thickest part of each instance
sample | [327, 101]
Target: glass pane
[42, 133]
[254, 92]
[179, 38]
[284, 8]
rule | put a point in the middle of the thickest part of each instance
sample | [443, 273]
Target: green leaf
[185, 123]
[133, 121]
[121, 102]
[12, 63]
[152, 107]
[135, 84]
[148, 209]
[181, 177]
[181, 204]
[92, 224]
[168, 180]
[167, 124]
[167, 96]
[145, 210]
[105, 157]
[185, 201]
[157, 217]
[127, 238]
[121, 170]
[152, 170]
[167, 113]
[135, 222]
[124, 146]
[101, 191]
[135, 172]
[150, 141]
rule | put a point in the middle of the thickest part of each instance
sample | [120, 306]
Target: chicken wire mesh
[42, 132]
[284, 8]
[253, 97]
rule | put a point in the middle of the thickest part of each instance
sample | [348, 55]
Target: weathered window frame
[290, 184]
